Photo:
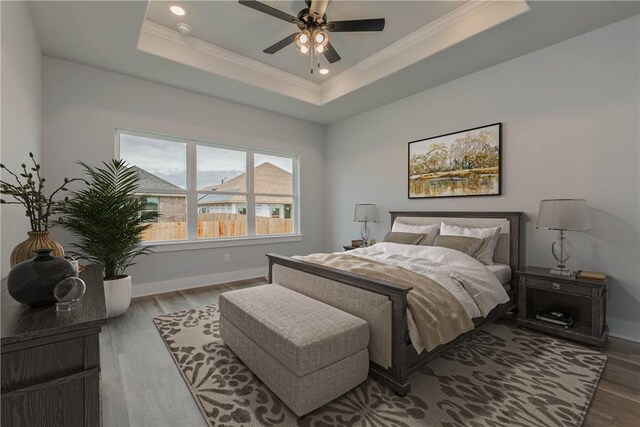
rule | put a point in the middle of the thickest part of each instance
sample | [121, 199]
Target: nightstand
[585, 299]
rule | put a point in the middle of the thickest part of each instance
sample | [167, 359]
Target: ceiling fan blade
[281, 44]
[356, 25]
[331, 54]
[318, 8]
[261, 7]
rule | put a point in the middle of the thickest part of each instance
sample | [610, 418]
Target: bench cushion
[301, 394]
[303, 334]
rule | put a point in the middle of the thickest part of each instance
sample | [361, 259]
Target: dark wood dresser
[51, 360]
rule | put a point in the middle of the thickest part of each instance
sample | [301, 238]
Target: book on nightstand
[591, 275]
[556, 317]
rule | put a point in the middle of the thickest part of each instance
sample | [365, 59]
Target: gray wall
[82, 107]
[21, 112]
[570, 129]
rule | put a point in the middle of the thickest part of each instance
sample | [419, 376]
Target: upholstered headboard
[508, 246]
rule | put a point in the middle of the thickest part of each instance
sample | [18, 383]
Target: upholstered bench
[307, 352]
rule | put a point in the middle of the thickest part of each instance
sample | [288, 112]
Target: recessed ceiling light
[323, 71]
[177, 10]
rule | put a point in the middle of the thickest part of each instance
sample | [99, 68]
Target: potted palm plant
[108, 219]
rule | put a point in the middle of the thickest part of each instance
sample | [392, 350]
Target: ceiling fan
[313, 25]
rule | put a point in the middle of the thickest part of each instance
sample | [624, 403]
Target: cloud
[168, 160]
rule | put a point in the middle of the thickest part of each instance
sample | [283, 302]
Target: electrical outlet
[226, 257]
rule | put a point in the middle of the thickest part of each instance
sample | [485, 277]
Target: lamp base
[561, 271]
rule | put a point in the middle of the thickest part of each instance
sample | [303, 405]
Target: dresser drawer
[72, 401]
[34, 365]
[558, 286]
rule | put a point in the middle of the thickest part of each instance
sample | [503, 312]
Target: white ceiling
[439, 33]
[248, 32]
[107, 35]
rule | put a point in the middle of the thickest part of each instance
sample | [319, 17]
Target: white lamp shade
[365, 212]
[563, 214]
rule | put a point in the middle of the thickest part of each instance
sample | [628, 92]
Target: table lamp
[563, 215]
[366, 213]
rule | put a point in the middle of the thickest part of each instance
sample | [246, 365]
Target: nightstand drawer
[558, 286]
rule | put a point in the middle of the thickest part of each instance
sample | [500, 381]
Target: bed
[383, 303]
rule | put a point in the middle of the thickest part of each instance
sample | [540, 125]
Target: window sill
[184, 245]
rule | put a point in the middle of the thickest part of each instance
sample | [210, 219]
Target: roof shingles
[268, 178]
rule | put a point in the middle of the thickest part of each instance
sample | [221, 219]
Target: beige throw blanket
[439, 316]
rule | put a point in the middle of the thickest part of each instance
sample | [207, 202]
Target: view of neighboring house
[170, 207]
[268, 178]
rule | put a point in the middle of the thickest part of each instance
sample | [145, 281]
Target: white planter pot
[117, 295]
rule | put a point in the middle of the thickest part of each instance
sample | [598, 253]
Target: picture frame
[465, 163]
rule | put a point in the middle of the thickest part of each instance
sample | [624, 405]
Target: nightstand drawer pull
[556, 286]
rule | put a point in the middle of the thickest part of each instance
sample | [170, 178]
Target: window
[205, 191]
[151, 206]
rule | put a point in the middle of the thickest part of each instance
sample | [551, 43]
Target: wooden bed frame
[404, 358]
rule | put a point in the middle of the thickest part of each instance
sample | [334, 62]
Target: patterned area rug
[502, 376]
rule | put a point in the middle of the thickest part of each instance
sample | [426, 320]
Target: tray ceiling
[414, 31]
[448, 42]
[247, 32]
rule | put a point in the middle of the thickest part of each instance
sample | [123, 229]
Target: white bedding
[502, 272]
[468, 280]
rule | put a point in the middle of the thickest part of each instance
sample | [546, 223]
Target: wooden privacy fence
[212, 225]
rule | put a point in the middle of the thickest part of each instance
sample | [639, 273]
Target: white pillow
[485, 255]
[430, 230]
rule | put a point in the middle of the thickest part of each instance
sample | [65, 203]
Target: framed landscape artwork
[464, 163]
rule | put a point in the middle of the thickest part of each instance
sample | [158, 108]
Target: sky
[168, 160]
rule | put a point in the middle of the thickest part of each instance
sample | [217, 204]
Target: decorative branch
[30, 194]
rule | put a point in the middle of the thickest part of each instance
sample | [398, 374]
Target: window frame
[192, 241]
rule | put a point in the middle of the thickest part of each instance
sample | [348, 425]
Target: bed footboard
[386, 309]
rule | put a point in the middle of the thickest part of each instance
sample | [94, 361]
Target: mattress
[502, 272]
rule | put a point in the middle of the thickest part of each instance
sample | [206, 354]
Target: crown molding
[460, 24]
[464, 22]
[170, 44]
[409, 41]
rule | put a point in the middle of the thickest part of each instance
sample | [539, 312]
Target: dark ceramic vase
[31, 282]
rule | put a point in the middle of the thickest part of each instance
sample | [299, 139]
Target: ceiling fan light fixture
[313, 25]
[176, 9]
[320, 37]
[302, 39]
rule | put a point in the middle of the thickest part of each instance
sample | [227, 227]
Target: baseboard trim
[624, 329]
[618, 328]
[154, 288]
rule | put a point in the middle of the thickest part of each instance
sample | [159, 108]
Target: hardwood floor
[142, 387]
